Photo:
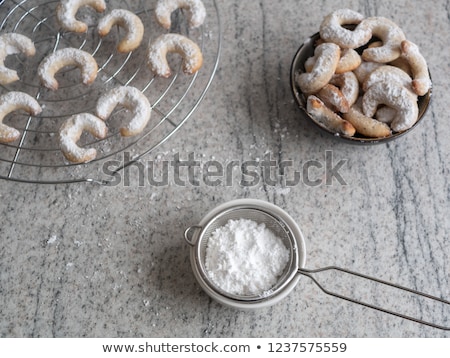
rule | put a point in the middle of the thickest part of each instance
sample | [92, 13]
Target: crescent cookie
[67, 57]
[327, 57]
[348, 85]
[421, 77]
[10, 44]
[332, 30]
[70, 132]
[364, 125]
[389, 33]
[327, 118]
[333, 98]
[188, 49]
[349, 61]
[11, 102]
[130, 22]
[67, 9]
[396, 96]
[130, 98]
[196, 11]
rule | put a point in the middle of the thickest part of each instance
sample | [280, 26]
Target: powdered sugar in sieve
[245, 258]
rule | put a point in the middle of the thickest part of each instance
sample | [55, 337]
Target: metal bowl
[305, 51]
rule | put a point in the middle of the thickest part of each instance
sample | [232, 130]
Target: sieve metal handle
[188, 234]
[309, 273]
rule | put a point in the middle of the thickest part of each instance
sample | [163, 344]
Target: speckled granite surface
[85, 260]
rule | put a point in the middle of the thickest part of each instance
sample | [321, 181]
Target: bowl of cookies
[360, 79]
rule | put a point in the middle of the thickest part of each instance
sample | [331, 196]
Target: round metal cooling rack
[36, 156]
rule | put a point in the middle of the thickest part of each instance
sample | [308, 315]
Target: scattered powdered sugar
[245, 258]
[53, 239]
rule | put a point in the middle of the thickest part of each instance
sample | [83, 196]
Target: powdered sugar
[245, 258]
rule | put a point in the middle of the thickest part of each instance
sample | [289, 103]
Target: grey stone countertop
[91, 260]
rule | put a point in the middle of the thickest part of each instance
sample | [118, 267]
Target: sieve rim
[288, 280]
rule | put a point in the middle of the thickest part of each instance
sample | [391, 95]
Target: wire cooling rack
[36, 156]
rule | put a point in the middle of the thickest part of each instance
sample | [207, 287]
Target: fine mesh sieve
[285, 228]
[277, 221]
[274, 224]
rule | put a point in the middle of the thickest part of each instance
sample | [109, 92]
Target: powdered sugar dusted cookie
[395, 96]
[348, 85]
[326, 60]
[421, 82]
[332, 30]
[389, 33]
[195, 10]
[349, 60]
[10, 44]
[130, 98]
[11, 102]
[186, 48]
[70, 132]
[67, 57]
[134, 29]
[327, 118]
[66, 11]
[333, 98]
[364, 125]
